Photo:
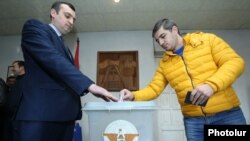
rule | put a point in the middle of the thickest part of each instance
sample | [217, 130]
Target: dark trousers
[2, 118]
[8, 130]
[43, 131]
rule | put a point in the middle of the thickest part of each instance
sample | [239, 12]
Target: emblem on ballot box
[121, 130]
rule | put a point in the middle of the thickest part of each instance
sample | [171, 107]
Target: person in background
[11, 81]
[13, 99]
[3, 91]
[18, 68]
[3, 94]
[50, 102]
[203, 64]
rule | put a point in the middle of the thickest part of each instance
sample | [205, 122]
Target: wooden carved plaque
[118, 70]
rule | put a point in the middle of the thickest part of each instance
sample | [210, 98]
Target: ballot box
[121, 121]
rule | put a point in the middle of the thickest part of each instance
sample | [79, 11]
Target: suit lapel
[66, 50]
[69, 54]
[62, 47]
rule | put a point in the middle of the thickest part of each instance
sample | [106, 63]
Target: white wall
[91, 43]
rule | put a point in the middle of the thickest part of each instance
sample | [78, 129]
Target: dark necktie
[66, 48]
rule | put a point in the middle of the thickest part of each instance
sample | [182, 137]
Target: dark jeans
[194, 126]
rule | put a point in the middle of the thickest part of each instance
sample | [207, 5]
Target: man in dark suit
[52, 87]
[13, 99]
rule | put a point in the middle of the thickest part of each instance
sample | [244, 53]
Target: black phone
[187, 100]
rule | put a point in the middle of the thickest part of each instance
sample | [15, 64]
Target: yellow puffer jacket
[206, 59]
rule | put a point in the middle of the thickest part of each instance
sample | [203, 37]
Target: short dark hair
[56, 5]
[166, 24]
[19, 62]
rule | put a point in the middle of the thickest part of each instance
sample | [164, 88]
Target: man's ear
[52, 13]
[175, 29]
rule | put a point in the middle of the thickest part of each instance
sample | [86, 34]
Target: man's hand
[126, 95]
[101, 93]
[201, 93]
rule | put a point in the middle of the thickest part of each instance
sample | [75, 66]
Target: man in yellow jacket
[202, 64]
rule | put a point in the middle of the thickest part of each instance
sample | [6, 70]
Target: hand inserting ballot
[126, 95]
[102, 93]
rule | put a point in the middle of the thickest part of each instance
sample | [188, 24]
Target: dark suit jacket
[13, 98]
[52, 84]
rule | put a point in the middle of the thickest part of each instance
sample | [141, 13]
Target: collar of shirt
[56, 30]
[179, 51]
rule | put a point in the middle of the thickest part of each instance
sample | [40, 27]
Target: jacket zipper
[190, 79]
